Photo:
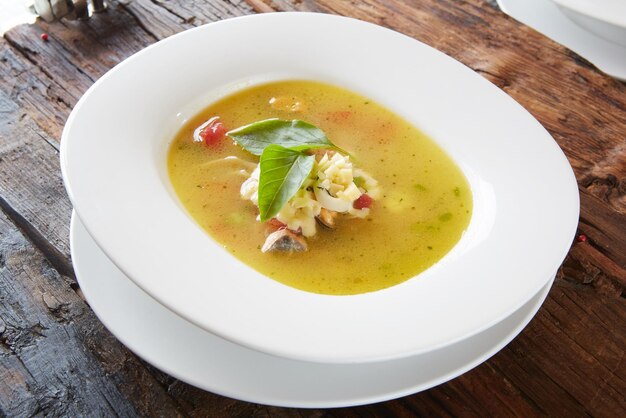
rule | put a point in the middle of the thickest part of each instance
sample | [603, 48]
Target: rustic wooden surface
[56, 359]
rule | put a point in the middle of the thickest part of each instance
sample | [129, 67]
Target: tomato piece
[364, 201]
[213, 132]
[276, 223]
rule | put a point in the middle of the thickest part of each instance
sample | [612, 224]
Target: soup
[422, 207]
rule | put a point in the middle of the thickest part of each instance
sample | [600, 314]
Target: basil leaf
[294, 134]
[283, 171]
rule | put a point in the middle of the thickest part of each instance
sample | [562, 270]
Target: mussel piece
[327, 218]
[284, 240]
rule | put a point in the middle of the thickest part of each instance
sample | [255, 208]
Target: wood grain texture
[56, 358]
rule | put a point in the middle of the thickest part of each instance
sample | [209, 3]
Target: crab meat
[284, 240]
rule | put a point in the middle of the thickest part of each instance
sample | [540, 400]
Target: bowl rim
[266, 330]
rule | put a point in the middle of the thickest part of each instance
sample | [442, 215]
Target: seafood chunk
[284, 240]
[327, 218]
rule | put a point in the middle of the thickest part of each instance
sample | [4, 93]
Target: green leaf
[283, 171]
[294, 134]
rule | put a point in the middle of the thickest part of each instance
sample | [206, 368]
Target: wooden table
[56, 358]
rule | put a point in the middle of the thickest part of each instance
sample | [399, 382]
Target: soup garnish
[301, 177]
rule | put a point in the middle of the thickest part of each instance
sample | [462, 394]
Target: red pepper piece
[364, 201]
[213, 132]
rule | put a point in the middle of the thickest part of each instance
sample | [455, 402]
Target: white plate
[606, 18]
[214, 364]
[113, 158]
[545, 17]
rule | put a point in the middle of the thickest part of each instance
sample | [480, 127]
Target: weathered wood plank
[56, 359]
[162, 19]
[558, 362]
[30, 178]
[79, 52]
[198, 12]
[604, 224]
[27, 89]
[43, 81]
[153, 19]
[555, 367]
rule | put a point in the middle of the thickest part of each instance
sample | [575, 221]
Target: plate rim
[560, 28]
[585, 8]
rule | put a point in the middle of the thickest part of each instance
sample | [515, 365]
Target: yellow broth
[427, 201]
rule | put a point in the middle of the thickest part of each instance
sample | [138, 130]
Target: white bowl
[605, 18]
[113, 158]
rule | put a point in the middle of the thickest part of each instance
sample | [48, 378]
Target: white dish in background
[211, 363]
[606, 18]
[546, 17]
[113, 158]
